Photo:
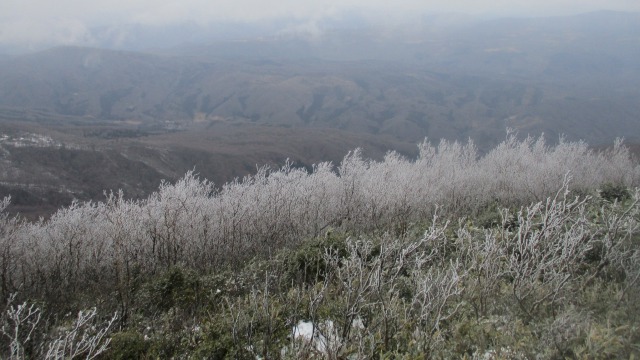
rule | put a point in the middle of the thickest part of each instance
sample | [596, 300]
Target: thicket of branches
[555, 279]
[108, 249]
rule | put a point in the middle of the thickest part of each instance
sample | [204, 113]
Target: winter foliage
[550, 236]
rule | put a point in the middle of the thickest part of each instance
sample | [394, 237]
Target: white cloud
[35, 32]
[67, 21]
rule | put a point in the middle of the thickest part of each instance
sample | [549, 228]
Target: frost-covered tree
[108, 246]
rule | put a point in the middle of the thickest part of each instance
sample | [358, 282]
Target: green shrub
[306, 264]
[127, 345]
[211, 351]
[177, 287]
[614, 192]
[489, 217]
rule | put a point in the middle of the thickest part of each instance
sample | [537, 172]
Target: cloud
[68, 21]
[308, 30]
[162, 12]
[34, 33]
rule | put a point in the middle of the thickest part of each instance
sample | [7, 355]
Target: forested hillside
[529, 251]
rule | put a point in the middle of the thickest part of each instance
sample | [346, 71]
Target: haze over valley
[79, 119]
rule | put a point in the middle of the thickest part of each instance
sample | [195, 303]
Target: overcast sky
[24, 22]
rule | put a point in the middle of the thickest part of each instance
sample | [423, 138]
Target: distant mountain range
[578, 76]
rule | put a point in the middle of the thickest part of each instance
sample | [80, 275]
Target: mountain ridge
[555, 76]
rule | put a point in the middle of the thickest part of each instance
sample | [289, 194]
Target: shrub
[614, 192]
[390, 287]
[176, 287]
[306, 264]
[127, 345]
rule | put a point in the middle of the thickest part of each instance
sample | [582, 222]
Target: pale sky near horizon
[70, 21]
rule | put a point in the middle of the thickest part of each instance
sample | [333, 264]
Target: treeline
[105, 250]
[192, 222]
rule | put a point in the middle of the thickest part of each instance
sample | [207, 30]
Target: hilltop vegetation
[530, 250]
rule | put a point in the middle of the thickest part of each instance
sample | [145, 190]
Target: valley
[116, 119]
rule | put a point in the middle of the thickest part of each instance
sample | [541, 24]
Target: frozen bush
[108, 246]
